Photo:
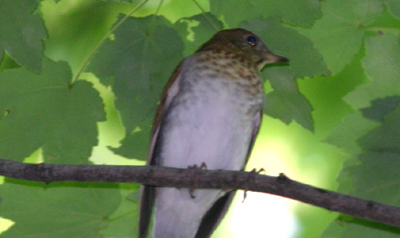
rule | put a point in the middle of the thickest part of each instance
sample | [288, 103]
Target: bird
[209, 114]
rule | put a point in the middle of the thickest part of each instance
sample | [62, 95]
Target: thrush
[210, 113]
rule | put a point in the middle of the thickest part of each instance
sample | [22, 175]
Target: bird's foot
[195, 168]
[202, 166]
[257, 171]
[252, 172]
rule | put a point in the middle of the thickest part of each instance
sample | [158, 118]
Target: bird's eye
[252, 40]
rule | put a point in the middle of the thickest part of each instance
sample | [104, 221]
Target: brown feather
[231, 41]
[148, 193]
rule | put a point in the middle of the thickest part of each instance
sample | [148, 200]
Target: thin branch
[89, 58]
[183, 178]
[205, 15]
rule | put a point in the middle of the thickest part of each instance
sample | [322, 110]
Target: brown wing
[217, 212]
[148, 193]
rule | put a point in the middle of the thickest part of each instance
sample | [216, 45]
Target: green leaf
[352, 227]
[346, 134]
[136, 144]
[339, 34]
[304, 60]
[48, 110]
[385, 138]
[285, 102]
[57, 210]
[381, 64]
[22, 33]
[140, 59]
[295, 12]
[197, 30]
[380, 107]
[122, 222]
[373, 177]
[394, 6]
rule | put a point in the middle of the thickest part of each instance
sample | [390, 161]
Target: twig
[171, 177]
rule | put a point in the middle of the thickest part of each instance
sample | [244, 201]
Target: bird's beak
[271, 58]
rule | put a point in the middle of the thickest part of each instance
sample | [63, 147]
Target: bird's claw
[257, 171]
[253, 171]
[195, 168]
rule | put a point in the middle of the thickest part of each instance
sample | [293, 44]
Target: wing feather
[217, 212]
[148, 193]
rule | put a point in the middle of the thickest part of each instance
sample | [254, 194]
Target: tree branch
[190, 178]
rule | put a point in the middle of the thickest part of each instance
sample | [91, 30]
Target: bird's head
[243, 42]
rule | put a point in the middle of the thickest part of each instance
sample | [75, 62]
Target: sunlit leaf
[296, 12]
[374, 175]
[394, 7]
[381, 64]
[339, 34]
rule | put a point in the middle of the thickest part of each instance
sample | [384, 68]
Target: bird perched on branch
[209, 114]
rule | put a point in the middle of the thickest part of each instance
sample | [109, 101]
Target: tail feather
[147, 199]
